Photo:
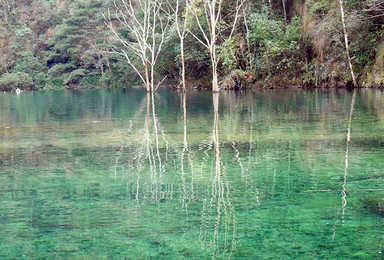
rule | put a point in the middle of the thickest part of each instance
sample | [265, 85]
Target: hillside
[53, 44]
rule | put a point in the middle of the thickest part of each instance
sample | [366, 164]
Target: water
[117, 174]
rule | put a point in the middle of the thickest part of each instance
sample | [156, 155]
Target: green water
[121, 175]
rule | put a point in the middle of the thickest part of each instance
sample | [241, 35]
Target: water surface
[121, 174]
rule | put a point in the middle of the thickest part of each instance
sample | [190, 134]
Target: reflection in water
[126, 143]
[157, 164]
[153, 156]
[145, 156]
[346, 164]
[126, 174]
[223, 239]
[344, 191]
[187, 194]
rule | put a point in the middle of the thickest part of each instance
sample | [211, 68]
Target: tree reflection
[218, 214]
[249, 151]
[346, 165]
[344, 201]
[144, 159]
[157, 165]
[187, 193]
[193, 175]
[150, 160]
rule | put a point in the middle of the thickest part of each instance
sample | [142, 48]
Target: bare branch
[374, 9]
[210, 34]
[143, 20]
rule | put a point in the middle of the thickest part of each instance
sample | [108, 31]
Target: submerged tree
[138, 27]
[182, 32]
[212, 24]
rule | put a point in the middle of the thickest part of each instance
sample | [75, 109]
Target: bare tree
[347, 43]
[211, 12]
[180, 11]
[144, 20]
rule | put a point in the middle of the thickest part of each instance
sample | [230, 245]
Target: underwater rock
[374, 205]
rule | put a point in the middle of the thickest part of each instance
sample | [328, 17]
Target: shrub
[11, 81]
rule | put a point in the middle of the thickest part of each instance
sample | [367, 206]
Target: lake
[119, 174]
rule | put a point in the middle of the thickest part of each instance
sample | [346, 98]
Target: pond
[119, 174]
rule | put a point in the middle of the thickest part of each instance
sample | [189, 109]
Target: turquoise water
[119, 174]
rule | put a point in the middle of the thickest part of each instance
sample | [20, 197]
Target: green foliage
[276, 46]
[11, 81]
[75, 76]
[319, 8]
[365, 46]
[22, 32]
[31, 66]
[54, 44]
[228, 53]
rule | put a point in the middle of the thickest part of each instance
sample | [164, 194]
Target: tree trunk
[285, 11]
[347, 44]
[215, 84]
[214, 19]
[182, 63]
[147, 81]
[152, 78]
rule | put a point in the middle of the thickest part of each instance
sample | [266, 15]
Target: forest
[218, 44]
[127, 145]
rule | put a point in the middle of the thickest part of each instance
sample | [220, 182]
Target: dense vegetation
[50, 44]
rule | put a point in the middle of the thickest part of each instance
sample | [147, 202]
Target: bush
[318, 8]
[277, 46]
[11, 81]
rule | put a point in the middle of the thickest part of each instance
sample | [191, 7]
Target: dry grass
[380, 56]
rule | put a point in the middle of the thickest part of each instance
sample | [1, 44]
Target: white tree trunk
[215, 83]
[181, 32]
[182, 63]
[285, 11]
[347, 44]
